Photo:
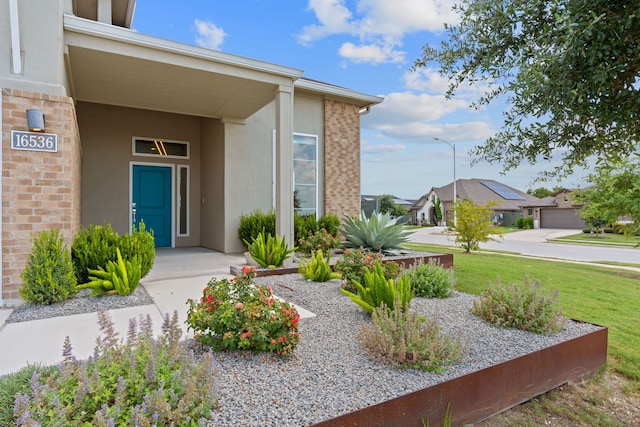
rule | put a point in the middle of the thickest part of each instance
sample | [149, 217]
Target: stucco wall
[107, 133]
[212, 184]
[341, 158]
[40, 190]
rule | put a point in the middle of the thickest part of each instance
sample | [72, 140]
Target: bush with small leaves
[321, 240]
[143, 381]
[528, 307]
[234, 314]
[48, 276]
[431, 280]
[402, 338]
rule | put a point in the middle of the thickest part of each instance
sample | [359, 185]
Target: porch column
[284, 163]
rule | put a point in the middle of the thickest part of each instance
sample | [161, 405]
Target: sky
[368, 46]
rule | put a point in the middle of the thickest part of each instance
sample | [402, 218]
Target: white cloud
[379, 25]
[209, 35]
[430, 80]
[368, 148]
[406, 107]
[372, 53]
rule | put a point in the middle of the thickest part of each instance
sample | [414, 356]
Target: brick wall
[341, 158]
[40, 190]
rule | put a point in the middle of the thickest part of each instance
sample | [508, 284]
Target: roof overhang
[336, 92]
[117, 66]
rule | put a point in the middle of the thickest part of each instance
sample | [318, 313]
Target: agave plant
[377, 233]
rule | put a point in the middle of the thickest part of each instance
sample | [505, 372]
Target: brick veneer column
[40, 190]
[341, 158]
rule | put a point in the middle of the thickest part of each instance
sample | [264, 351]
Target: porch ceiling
[117, 66]
[108, 78]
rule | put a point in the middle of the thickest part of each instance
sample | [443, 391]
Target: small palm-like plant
[377, 289]
[377, 233]
[317, 269]
[270, 252]
[120, 278]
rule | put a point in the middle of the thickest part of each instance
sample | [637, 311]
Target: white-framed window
[156, 147]
[183, 200]
[305, 173]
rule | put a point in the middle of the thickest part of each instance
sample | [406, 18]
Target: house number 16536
[34, 141]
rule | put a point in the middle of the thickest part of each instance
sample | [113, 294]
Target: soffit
[121, 11]
[121, 67]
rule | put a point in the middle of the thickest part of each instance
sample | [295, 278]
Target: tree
[542, 192]
[568, 70]
[474, 225]
[387, 205]
[615, 192]
[437, 210]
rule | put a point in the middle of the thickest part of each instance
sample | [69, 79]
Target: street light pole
[453, 147]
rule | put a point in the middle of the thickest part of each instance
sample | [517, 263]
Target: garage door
[561, 218]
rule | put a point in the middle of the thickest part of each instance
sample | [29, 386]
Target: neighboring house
[556, 211]
[140, 128]
[508, 208]
[370, 203]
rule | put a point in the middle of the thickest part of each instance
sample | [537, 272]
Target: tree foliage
[615, 192]
[474, 225]
[568, 69]
[387, 205]
[542, 192]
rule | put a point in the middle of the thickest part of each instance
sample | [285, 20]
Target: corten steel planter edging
[446, 260]
[482, 394]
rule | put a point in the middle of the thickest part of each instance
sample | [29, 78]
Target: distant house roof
[482, 191]
[396, 200]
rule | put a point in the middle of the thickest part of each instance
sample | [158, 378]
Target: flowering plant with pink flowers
[234, 314]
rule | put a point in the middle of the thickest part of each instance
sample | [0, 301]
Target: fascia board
[337, 91]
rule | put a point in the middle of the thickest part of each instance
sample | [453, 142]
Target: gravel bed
[329, 374]
[81, 303]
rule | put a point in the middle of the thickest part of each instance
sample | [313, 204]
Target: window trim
[171, 141]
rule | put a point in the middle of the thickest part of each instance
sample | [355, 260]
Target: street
[534, 243]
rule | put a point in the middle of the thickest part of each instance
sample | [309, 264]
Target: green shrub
[378, 233]
[520, 222]
[233, 314]
[93, 247]
[405, 339]
[329, 223]
[139, 244]
[353, 264]
[319, 240]
[142, 381]
[527, 307]
[527, 223]
[269, 253]
[586, 230]
[255, 223]
[48, 276]
[317, 269]
[431, 280]
[377, 289]
[120, 278]
[304, 225]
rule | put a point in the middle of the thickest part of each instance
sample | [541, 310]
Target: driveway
[535, 243]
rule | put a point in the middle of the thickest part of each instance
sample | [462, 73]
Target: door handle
[133, 212]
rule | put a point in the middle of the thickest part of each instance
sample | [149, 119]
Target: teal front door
[151, 201]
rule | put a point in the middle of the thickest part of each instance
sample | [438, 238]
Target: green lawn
[601, 239]
[604, 296]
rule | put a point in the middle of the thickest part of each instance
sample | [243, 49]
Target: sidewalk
[177, 274]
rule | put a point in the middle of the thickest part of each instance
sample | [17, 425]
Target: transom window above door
[160, 148]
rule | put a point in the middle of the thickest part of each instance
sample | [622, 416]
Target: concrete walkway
[177, 275]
